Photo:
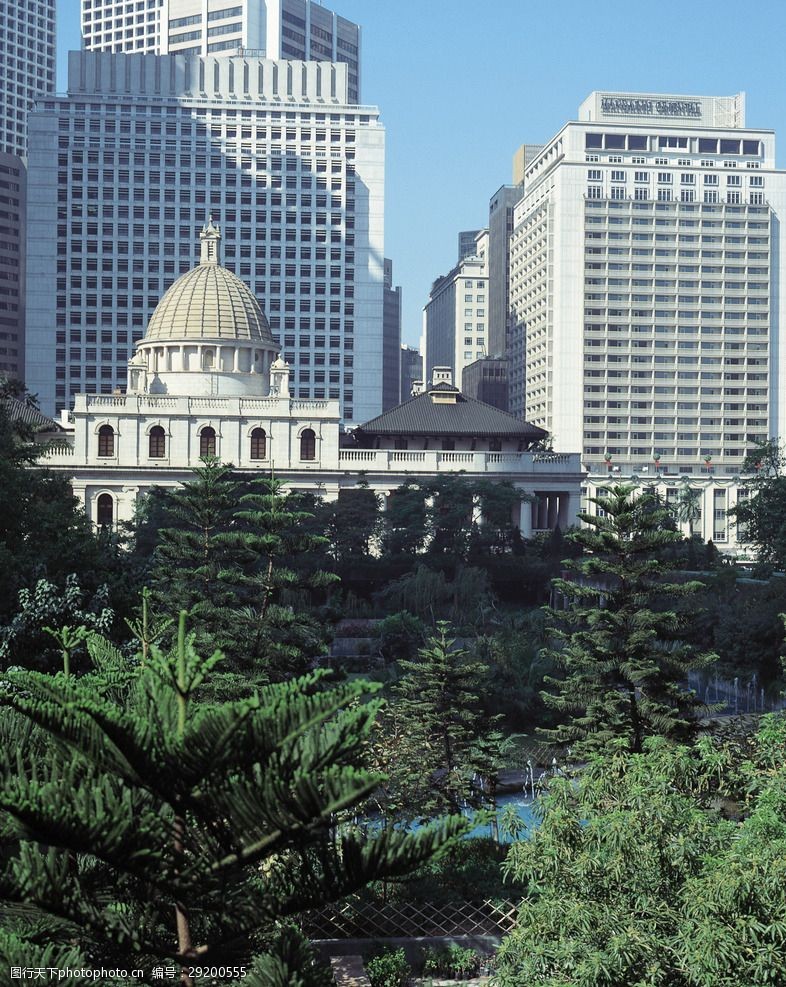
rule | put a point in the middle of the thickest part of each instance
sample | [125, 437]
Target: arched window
[208, 358]
[157, 442]
[105, 510]
[308, 444]
[258, 444]
[207, 441]
[106, 441]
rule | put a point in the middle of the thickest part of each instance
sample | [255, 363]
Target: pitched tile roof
[422, 416]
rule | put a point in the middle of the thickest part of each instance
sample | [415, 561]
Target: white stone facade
[716, 496]
[125, 170]
[238, 406]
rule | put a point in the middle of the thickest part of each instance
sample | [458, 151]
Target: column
[525, 518]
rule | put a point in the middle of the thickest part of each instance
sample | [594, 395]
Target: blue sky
[462, 84]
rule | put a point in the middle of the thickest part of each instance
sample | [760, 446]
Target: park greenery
[189, 765]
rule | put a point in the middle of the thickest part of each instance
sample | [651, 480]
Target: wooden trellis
[372, 920]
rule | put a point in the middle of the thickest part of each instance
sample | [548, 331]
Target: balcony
[436, 461]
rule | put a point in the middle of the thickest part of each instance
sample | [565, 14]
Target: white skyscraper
[125, 170]
[278, 29]
[646, 254]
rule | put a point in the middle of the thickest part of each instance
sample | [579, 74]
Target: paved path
[348, 971]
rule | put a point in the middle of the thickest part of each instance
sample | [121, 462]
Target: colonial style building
[205, 380]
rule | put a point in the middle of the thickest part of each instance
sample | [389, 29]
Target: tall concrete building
[644, 262]
[27, 68]
[126, 168]
[277, 29]
[501, 207]
[411, 370]
[466, 243]
[487, 380]
[391, 339]
[455, 318]
[27, 71]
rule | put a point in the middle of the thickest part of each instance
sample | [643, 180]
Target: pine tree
[198, 560]
[442, 732]
[148, 828]
[271, 630]
[617, 641]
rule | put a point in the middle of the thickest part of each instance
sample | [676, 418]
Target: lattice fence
[371, 920]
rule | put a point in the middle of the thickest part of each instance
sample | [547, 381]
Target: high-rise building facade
[277, 29]
[466, 243]
[391, 338]
[127, 167]
[13, 177]
[455, 318]
[645, 270]
[27, 68]
[487, 380]
[27, 71]
[411, 370]
[501, 207]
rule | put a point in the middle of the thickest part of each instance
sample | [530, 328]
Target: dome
[209, 303]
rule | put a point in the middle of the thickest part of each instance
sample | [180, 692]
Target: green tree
[155, 828]
[636, 878]
[688, 507]
[198, 559]
[439, 713]
[25, 639]
[618, 646]
[761, 516]
[404, 522]
[44, 533]
[272, 630]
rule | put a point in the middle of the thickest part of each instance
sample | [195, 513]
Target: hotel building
[645, 267]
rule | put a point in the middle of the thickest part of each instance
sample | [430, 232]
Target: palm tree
[688, 507]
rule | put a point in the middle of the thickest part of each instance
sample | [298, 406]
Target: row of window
[686, 195]
[207, 443]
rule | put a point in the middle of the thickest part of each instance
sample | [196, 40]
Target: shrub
[389, 969]
[453, 961]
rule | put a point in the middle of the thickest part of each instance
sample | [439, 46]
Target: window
[401, 443]
[207, 442]
[448, 445]
[495, 445]
[105, 508]
[157, 442]
[308, 445]
[106, 442]
[258, 444]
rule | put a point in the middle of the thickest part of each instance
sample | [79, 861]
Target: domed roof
[209, 303]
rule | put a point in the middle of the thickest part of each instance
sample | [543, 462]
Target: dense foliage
[149, 827]
[637, 877]
[624, 665]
